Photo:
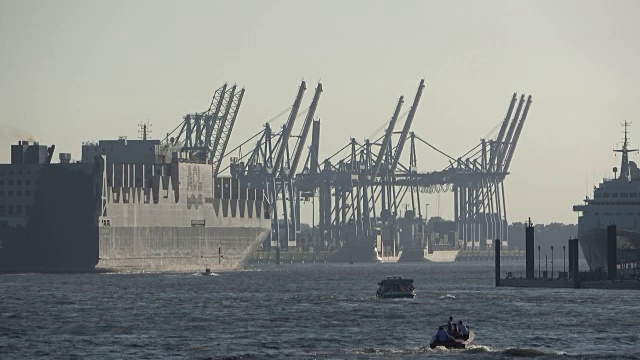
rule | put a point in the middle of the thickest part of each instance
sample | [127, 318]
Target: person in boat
[463, 329]
[450, 325]
[442, 336]
[456, 333]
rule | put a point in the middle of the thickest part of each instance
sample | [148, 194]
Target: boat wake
[447, 297]
[476, 350]
[473, 352]
[203, 274]
[513, 352]
[233, 357]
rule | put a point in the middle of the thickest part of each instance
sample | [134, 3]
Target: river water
[308, 311]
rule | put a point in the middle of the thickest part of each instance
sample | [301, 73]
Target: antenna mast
[144, 130]
[624, 166]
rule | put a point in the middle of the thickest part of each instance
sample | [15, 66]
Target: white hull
[594, 247]
[442, 256]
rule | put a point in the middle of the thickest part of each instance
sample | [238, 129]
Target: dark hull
[397, 296]
[459, 343]
[62, 231]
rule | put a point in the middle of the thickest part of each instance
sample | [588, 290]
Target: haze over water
[308, 311]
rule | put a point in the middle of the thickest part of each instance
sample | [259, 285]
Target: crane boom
[496, 148]
[507, 140]
[512, 148]
[225, 130]
[217, 100]
[387, 139]
[407, 126]
[286, 132]
[219, 123]
[297, 152]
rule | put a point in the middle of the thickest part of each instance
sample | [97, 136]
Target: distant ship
[615, 201]
[125, 206]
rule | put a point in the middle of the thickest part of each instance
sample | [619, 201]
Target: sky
[76, 71]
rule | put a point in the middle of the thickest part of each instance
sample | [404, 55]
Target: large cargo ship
[123, 207]
[615, 202]
[134, 205]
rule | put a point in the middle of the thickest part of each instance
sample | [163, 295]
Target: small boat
[396, 287]
[207, 271]
[460, 342]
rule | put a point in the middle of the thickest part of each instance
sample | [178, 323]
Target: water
[307, 311]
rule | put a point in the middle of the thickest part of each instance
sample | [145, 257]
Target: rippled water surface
[307, 311]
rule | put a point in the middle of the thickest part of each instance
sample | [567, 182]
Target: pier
[290, 257]
[488, 255]
[619, 275]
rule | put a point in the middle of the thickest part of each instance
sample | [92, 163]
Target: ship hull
[443, 256]
[131, 249]
[593, 243]
[60, 232]
[85, 217]
[184, 220]
[423, 255]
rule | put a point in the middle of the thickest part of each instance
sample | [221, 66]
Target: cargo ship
[615, 201]
[134, 205]
[123, 207]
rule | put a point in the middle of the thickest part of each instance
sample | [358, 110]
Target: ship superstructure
[615, 201]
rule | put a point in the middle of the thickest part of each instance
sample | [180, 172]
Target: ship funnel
[65, 158]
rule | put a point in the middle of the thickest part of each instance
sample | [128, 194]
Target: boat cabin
[396, 287]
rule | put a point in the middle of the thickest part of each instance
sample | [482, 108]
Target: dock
[619, 276]
[289, 257]
[487, 255]
[567, 284]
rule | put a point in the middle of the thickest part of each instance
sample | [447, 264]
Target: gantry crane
[203, 137]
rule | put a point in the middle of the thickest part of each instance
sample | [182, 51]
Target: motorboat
[396, 287]
[458, 342]
[207, 271]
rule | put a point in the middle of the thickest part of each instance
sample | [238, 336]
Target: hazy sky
[74, 71]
